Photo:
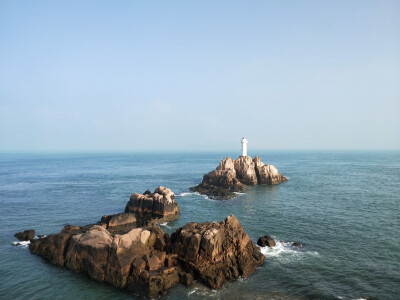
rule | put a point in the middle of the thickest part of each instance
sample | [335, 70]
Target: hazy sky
[199, 75]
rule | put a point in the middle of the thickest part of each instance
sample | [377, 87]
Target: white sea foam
[165, 224]
[22, 243]
[186, 194]
[192, 291]
[42, 236]
[203, 291]
[204, 196]
[284, 252]
[237, 193]
[193, 193]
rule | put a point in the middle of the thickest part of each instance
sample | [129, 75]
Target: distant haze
[199, 75]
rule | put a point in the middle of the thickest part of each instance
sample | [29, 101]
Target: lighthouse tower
[244, 147]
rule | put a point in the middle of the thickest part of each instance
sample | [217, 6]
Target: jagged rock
[297, 244]
[245, 170]
[232, 176]
[148, 261]
[216, 252]
[159, 205]
[266, 240]
[220, 184]
[267, 173]
[108, 257]
[25, 235]
[54, 246]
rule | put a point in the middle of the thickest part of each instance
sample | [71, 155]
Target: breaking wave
[203, 291]
[165, 224]
[286, 252]
[21, 243]
[186, 194]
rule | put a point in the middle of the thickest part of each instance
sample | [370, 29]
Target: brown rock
[118, 223]
[266, 240]
[216, 252]
[160, 205]
[220, 184]
[186, 278]
[232, 176]
[100, 254]
[245, 169]
[26, 235]
[267, 173]
[148, 261]
[54, 246]
[119, 219]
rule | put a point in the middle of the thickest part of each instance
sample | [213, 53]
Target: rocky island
[234, 175]
[129, 251]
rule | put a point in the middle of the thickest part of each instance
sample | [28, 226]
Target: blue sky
[199, 75]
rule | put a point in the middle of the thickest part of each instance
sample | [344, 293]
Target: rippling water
[344, 207]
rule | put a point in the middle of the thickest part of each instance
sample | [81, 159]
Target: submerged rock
[26, 235]
[266, 240]
[233, 175]
[149, 261]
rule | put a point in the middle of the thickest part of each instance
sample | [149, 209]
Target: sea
[342, 206]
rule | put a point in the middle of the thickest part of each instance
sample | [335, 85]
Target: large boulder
[148, 206]
[245, 170]
[118, 223]
[220, 184]
[266, 240]
[118, 259]
[267, 173]
[233, 175]
[54, 246]
[216, 252]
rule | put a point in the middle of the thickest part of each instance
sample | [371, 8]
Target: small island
[130, 251]
[234, 175]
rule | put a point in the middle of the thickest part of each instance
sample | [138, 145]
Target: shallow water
[342, 206]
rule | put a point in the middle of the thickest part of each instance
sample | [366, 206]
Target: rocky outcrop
[267, 173]
[54, 247]
[216, 252]
[119, 222]
[266, 240]
[132, 260]
[25, 235]
[245, 170]
[148, 261]
[159, 206]
[220, 184]
[233, 175]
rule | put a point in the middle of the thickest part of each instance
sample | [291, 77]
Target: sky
[199, 75]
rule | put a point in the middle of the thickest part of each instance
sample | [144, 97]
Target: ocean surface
[344, 207]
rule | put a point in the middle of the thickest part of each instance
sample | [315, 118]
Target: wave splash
[285, 252]
[186, 194]
[21, 243]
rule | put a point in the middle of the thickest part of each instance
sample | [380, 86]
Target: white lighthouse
[244, 147]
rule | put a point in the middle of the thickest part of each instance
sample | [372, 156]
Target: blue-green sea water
[344, 207]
